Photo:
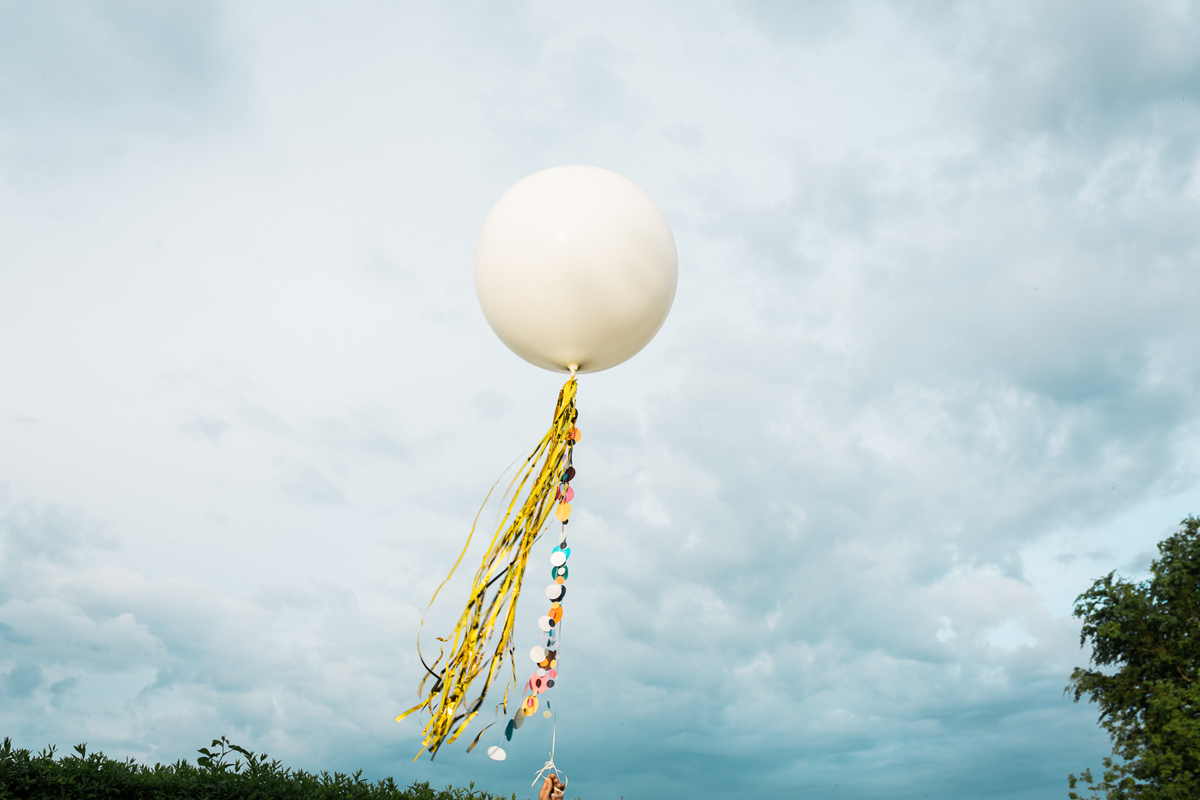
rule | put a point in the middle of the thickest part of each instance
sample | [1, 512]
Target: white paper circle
[544, 624]
[554, 591]
[538, 654]
[558, 558]
[496, 753]
[575, 267]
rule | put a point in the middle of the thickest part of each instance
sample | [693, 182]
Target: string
[549, 765]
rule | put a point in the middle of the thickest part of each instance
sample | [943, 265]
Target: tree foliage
[1145, 640]
[217, 775]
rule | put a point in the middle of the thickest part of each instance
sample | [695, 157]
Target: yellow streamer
[504, 561]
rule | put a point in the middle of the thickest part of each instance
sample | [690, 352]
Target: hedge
[214, 776]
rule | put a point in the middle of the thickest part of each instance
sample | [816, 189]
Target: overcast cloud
[931, 369]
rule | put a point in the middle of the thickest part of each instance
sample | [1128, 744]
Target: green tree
[1145, 640]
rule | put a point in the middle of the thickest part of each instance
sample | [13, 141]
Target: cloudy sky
[931, 370]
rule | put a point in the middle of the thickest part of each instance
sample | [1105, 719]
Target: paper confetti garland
[545, 677]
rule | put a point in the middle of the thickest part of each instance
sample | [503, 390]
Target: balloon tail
[504, 563]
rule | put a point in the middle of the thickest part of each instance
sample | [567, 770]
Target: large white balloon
[575, 268]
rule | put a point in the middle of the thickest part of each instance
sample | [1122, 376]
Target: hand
[551, 789]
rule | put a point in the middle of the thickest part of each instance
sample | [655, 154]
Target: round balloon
[575, 268]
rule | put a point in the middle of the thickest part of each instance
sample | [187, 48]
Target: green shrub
[25, 776]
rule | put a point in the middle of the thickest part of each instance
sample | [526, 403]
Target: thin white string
[549, 765]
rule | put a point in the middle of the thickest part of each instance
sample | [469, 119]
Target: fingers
[552, 788]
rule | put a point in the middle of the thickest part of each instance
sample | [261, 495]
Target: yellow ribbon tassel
[504, 562]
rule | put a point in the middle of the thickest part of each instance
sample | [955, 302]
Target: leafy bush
[24, 776]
